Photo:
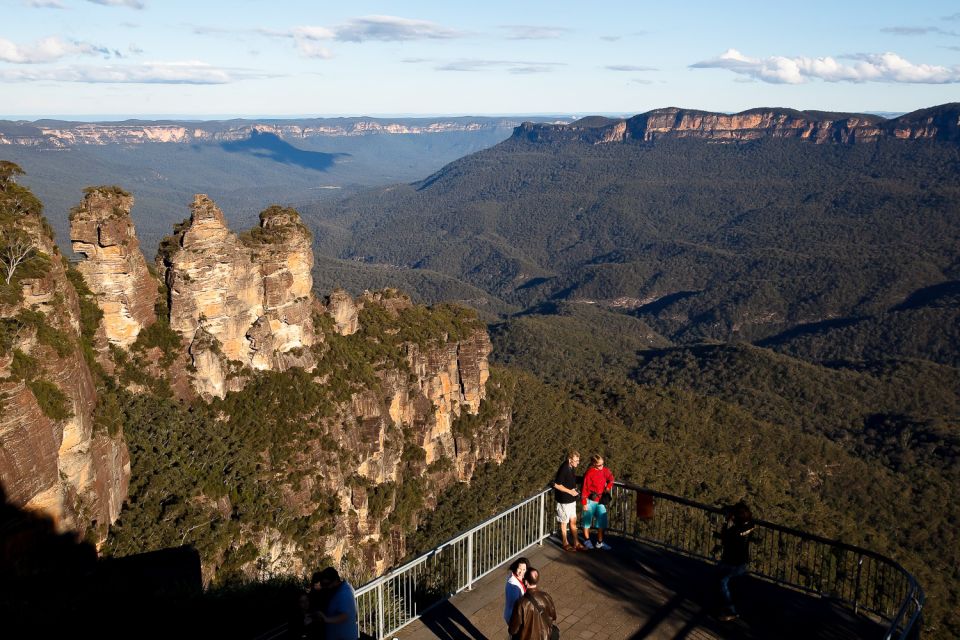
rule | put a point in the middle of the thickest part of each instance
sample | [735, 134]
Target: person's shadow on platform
[448, 623]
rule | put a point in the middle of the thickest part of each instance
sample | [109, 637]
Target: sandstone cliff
[244, 300]
[938, 123]
[401, 431]
[52, 458]
[114, 268]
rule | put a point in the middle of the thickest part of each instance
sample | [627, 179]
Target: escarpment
[308, 429]
[239, 299]
[54, 458]
[114, 268]
[937, 123]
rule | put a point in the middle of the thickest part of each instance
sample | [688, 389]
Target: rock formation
[114, 268]
[938, 123]
[343, 310]
[245, 300]
[51, 457]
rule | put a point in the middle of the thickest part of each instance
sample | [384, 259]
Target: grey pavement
[638, 591]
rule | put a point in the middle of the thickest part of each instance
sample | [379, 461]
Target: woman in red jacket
[596, 480]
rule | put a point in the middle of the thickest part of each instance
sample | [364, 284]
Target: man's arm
[560, 487]
[337, 619]
[551, 608]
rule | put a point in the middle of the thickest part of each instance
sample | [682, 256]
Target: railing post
[380, 616]
[470, 562]
[542, 500]
[856, 588]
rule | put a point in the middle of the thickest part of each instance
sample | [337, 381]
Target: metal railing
[859, 578]
[392, 601]
[863, 580]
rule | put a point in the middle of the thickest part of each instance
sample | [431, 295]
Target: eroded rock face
[250, 295]
[58, 466]
[937, 123]
[114, 268]
[418, 410]
[344, 311]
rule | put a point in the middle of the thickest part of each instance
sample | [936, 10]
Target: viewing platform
[659, 581]
[639, 591]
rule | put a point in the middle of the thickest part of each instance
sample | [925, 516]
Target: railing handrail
[913, 595]
[771, 525]
[393, 571]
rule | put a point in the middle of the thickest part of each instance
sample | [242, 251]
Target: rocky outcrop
[114, 268]
[52, 459]
[938, 123]
[250, 296]
[409, 415]
[343, 310]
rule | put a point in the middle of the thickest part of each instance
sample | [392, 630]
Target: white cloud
[533, 32]
[917, 31]
[132, 4]
[312, 33]
[191, 72]
[512, 66]
[392, 28]
[628, 67]
[50, 49]
[46, 4]
[868, 67]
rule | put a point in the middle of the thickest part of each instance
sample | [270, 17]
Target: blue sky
[252, 58]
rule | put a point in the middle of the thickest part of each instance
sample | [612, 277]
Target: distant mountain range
[706, 226]
[57, 134]
[245, 165]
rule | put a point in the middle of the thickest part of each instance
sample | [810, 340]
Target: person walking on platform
[565, 493]
[597, 485]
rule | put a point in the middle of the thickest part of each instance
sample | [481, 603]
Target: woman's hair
[595, 459]
[516, 564]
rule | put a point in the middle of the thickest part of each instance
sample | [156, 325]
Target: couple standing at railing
[594, 497]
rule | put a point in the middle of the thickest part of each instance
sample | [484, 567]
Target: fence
[861, 579]
[865, 581]
[396, 599]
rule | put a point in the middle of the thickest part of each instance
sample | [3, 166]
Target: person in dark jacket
[735, 552]
[535, 614]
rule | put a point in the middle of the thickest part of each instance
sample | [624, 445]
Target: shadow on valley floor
[271, 147]
[943, 294]
[52, 584]
[810, 328]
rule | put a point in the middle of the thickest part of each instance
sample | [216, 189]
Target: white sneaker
[588, 544]
[603, 546]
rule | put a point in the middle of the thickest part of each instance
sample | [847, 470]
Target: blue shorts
[594, 515]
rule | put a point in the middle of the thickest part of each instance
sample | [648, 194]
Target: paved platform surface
[637, 591]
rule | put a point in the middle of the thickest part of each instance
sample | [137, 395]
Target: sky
[204, 59]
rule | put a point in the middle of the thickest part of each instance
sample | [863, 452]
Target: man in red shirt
[596, 481]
